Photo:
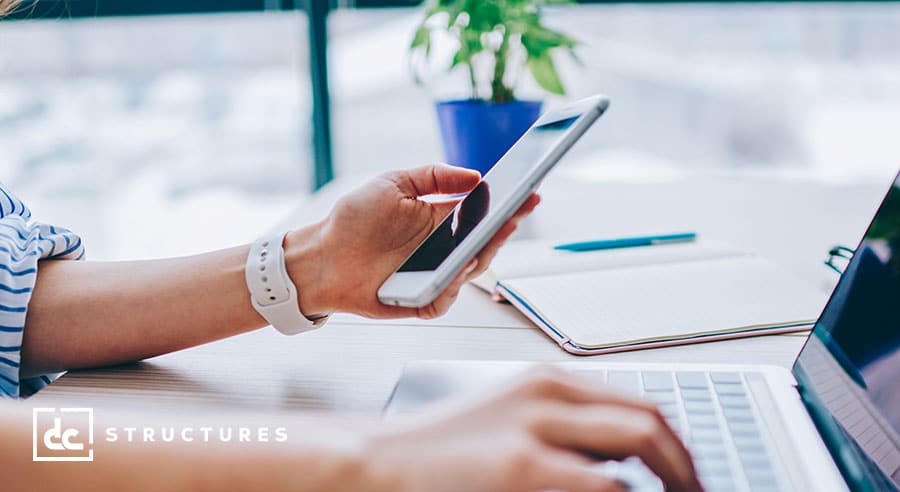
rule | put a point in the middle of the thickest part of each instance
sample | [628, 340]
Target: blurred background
[193, 128]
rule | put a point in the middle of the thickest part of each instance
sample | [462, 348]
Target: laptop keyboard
[714, 414]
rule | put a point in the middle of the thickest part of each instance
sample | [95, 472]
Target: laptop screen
[851, 363]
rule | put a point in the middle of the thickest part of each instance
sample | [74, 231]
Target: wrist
[380, 470]
[303, 259]
[336, 465]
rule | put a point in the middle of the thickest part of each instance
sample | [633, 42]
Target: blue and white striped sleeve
[22, 243]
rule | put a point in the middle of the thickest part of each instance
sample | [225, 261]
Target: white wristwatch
[272, 292]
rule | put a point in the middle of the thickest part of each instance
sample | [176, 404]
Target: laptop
[831, 423]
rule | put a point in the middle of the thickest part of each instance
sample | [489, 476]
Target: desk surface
[352, 364]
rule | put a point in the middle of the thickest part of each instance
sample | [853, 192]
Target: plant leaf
[470, 45]
[544, 73]
[473, 22]
[532, 48]
[485, 16]
[548, 38]
[458, 58]
[452, 17]
[421, 38]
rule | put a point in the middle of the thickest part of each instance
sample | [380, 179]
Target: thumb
[436, 178]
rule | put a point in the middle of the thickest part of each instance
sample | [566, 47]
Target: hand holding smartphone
[472, 223]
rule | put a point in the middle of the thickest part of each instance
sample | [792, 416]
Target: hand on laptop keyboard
[713, 413]
[544, 432]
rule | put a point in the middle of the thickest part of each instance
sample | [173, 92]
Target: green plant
[496, 29]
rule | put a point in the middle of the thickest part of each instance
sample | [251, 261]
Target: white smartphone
[475, 220]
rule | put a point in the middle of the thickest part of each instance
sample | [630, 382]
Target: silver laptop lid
[849, 370]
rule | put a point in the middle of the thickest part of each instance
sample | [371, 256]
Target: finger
[393, 312]
[581, 390]
[446, 299]
[490, 250]
[502, 234]
[438, 307]
[528, 206]
[572, 472]
[435, 178]
[577, 388]
[619, 432]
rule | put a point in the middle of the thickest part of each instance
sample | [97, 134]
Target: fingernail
[471, 267]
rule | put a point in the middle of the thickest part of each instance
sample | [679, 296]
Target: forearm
[86, 314]
[97, 313]
[314, 457]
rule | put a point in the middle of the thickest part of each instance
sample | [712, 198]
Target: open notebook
[626, 299]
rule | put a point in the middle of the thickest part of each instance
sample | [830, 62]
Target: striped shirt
[22, 243]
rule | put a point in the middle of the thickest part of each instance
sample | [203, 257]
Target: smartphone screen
[498, 186]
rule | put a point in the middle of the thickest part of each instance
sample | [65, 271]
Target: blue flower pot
[476, 133]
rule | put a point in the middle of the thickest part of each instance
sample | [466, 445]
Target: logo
[66, 434]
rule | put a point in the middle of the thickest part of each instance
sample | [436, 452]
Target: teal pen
[628, 242]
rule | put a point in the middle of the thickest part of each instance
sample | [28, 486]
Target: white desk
[352, 364]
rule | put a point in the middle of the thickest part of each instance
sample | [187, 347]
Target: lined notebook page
[663, 302]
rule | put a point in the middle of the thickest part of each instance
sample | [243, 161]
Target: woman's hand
[337, 264]
[340, 263]
[540, 433]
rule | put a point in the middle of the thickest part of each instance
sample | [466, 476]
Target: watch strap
[272, 293]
